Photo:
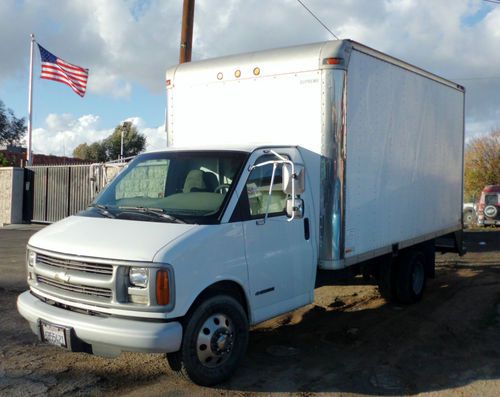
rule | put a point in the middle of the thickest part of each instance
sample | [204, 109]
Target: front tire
[214, 342]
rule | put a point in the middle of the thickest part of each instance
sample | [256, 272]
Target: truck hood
[108, 238]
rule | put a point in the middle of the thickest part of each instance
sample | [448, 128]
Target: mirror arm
[275, 165]
[286, 161]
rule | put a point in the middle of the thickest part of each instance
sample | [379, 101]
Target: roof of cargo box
[247, 148]
[324, 55]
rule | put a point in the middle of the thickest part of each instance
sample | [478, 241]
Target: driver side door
[279, 253]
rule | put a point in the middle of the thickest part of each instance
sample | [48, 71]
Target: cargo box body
[389, 136]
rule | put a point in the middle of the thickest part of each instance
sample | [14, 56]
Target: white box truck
[282, 165]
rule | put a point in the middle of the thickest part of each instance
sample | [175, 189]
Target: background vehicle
[489, 206]
[312, 162]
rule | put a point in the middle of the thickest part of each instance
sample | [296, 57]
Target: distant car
[469, 214]
[489, 206]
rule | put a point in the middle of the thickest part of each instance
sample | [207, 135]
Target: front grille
[80, 289]
[66, 264]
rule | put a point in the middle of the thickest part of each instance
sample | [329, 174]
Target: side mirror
[295, 208]
[288, 179]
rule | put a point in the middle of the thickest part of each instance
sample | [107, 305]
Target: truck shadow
[448, 340]
[480, 240]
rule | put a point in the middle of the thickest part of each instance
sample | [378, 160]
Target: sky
[129, 44]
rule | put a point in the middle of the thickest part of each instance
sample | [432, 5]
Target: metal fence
[57, 191]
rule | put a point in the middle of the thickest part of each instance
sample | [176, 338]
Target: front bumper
[108, 336]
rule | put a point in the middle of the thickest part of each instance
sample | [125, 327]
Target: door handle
[306, 228]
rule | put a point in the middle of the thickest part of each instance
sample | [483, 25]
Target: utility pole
[187, 31]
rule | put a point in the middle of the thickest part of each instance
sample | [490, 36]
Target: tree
[94, 152]
[12, 129]
[482, 164]
[4, 162]
[109, 149]
[133, 141]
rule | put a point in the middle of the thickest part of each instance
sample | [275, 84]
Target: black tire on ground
[386, 279]
[214, 341]
[411, 276]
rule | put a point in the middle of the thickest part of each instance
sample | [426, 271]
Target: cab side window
[257, 189]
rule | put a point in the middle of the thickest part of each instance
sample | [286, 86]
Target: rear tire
[386, 279]
[214, 342]
[411, 277]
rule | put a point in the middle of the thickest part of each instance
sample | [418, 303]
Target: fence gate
[57, 191]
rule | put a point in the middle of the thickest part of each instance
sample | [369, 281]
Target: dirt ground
[349, 342]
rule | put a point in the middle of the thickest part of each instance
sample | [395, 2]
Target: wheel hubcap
[215, 340]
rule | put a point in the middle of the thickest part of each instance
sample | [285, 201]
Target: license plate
[54, 334]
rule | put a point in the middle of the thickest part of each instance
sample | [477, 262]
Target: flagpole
[29, 156]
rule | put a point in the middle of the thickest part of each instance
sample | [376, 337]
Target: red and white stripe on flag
[54, 68]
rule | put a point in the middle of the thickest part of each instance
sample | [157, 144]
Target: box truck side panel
[404, 148]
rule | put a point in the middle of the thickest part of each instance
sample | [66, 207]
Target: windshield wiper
[160, 212]
[103, 210]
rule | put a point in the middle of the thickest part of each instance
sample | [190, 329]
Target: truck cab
[177, 229]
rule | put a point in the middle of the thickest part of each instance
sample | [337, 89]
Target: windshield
[183, 187]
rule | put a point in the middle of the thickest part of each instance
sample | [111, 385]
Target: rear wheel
[386, 279]
[411, 277]
[214, 342]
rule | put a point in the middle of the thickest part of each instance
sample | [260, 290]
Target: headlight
[31, 258]
[139, 276]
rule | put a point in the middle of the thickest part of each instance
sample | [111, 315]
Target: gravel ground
[349, 342]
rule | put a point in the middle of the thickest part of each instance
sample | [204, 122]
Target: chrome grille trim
[81, 266]
[80, 289]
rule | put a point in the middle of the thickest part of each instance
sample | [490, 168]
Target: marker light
[333, 61]
[162, 288]
[256, 71]
[31, 258]
[237, 74]
[220, 76]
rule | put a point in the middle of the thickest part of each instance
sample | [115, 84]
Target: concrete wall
[11, 195]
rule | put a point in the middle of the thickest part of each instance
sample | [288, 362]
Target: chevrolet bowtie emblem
[62, 276]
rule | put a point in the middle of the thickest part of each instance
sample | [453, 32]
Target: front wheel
[214, 342]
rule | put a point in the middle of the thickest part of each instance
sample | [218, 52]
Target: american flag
[54, 68]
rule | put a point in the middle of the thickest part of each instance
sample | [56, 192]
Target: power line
[319, 20]
[476, 78]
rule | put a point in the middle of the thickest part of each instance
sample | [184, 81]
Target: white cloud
[63, 132]
[134, 41]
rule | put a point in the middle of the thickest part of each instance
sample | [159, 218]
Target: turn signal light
[162, 288]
